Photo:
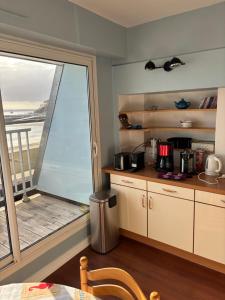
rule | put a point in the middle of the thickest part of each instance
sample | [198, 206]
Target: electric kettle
[213, 165]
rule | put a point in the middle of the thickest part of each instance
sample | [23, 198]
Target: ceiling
[130, 13]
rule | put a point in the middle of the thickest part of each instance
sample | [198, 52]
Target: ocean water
[34, 135]
[8, 112]
[36, 127]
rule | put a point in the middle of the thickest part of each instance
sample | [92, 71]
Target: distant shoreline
[24, 121]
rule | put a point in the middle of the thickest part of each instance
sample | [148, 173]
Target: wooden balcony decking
[39, 218]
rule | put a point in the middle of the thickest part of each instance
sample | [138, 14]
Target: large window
[48, 131]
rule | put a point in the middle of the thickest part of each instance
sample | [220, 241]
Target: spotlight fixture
[150, 65]
[176, 62]
[168, 65]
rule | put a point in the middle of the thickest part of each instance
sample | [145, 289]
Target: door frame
[27, 48]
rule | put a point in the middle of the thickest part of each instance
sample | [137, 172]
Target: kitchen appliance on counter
[122, 161]
[151, 151]
[200, 159]
[187, 162]
[137, 160]
[131, 161]
[213, 165]
[164, 161]
[180, 142]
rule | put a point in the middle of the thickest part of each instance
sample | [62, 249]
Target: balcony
[38, 214]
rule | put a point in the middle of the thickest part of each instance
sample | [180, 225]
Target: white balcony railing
[21, 163]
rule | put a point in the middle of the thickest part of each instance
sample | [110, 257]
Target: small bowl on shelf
[186, 124]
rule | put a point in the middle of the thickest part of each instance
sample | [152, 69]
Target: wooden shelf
[169, 110]
[204, 129]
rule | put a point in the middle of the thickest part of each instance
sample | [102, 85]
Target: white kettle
[213, 165]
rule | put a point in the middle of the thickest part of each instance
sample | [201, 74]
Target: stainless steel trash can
[104, 221]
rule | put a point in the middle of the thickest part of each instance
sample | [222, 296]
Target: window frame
[22, 47]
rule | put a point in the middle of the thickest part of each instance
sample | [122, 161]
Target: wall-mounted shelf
[169, 110]
[170, 129]
[164, 122]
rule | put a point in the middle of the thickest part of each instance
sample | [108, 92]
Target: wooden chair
[111, 289]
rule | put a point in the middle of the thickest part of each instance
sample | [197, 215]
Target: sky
[24, 84]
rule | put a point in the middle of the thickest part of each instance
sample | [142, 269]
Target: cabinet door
[170, 220]
[132, 209]
[210, 232]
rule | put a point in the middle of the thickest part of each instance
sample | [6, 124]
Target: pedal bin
[104, 221]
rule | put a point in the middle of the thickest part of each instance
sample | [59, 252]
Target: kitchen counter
[150, 174]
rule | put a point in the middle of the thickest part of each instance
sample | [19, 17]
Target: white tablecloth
[42, 291]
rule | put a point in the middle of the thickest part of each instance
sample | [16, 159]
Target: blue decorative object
[182, 104]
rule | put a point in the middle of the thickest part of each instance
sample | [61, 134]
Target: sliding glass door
[49, 141]
[26, 86]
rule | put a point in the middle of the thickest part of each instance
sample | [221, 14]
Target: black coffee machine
[137, 161]
[187, 162]
[131, 161]
[164, 161]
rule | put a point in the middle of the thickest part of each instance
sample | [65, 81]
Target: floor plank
[153, 269]
[38, 218]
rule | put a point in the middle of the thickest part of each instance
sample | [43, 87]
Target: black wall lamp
[168, 65]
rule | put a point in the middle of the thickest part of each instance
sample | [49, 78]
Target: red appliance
[164, 157]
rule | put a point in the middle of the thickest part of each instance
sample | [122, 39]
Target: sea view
[35, 126]
[34, 134]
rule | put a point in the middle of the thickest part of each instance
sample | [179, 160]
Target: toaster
[122, 161]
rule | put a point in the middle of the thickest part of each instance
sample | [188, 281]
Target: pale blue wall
[43, 16]
[202, 70]
[106, 109]
[106, 37]
[194, 31]
[62, 23]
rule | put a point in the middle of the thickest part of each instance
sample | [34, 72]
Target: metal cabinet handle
[149, 202]
[127, 181]
[169, 191]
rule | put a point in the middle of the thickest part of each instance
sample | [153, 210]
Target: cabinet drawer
[128, 181]
[170, 190]
[210, 198]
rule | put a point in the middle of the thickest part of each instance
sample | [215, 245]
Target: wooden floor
[175, 278]
[37, 219]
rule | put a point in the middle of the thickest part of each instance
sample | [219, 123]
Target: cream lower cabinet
[132, 209]
[210, 232]
[170, 220]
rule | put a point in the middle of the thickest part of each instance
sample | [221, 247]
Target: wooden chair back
[111, 289]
